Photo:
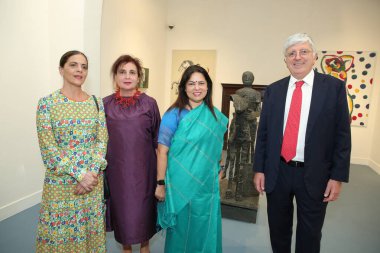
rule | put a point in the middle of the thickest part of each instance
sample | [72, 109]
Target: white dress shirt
[307, 89]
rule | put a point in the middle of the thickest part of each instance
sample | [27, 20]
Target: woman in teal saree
[188, 167]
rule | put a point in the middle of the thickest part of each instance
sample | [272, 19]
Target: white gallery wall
[137, 28]
[247, 35]
[34, 35]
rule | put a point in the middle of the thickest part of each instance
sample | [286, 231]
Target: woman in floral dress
[73, 137]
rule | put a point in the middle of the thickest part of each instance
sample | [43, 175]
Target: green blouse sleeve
[56, 159]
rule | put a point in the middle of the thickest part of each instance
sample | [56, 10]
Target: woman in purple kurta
[133, 121]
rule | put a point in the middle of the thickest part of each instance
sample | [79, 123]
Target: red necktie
[289, 143]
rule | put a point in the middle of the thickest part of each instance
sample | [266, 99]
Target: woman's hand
[89, 181]
[222, 174]
[160, 192]
[162, 162]
[79, 190]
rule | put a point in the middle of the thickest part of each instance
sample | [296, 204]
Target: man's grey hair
[299, 38]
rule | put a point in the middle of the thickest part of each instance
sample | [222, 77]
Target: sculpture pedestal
[243, 210]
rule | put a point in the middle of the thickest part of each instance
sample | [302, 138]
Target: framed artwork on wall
[356, 69]
[181, 59]
[145, 82]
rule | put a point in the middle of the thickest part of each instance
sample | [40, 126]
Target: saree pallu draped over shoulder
[191, 210]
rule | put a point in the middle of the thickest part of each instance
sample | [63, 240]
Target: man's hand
[332, 190]
[259, 182]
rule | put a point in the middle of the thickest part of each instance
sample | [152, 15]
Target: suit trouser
[310, 213]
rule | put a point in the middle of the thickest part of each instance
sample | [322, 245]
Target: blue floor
[352, 224]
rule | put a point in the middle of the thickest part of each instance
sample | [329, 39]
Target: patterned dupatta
[193, 161]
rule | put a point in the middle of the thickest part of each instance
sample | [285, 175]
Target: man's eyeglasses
[302, 52]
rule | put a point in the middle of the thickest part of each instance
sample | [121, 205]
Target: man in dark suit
[303, 148]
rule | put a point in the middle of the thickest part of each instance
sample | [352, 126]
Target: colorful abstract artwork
[356, 69]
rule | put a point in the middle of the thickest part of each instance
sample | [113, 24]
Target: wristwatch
[161, 182]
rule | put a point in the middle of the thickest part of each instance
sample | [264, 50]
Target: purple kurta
[132, 168]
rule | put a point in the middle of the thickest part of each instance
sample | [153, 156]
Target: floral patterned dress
[73, 140]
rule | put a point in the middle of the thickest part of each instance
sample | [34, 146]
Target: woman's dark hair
[67, 55]
[124, 59]
[182, 99]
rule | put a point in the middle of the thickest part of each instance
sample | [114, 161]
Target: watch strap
[161, 182]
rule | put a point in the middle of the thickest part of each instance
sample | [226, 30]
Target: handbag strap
[106, 189]
[96, 102]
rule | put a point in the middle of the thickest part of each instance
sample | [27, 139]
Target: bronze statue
[241, 140]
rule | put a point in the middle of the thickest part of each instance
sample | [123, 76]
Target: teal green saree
[191, 210]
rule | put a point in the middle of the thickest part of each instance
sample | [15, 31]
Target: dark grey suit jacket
[328, 134]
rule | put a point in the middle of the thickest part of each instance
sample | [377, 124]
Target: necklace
[127, 101]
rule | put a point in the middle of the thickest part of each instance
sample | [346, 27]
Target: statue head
[248, 78]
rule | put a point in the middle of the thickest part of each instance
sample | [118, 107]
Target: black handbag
[106, 188]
